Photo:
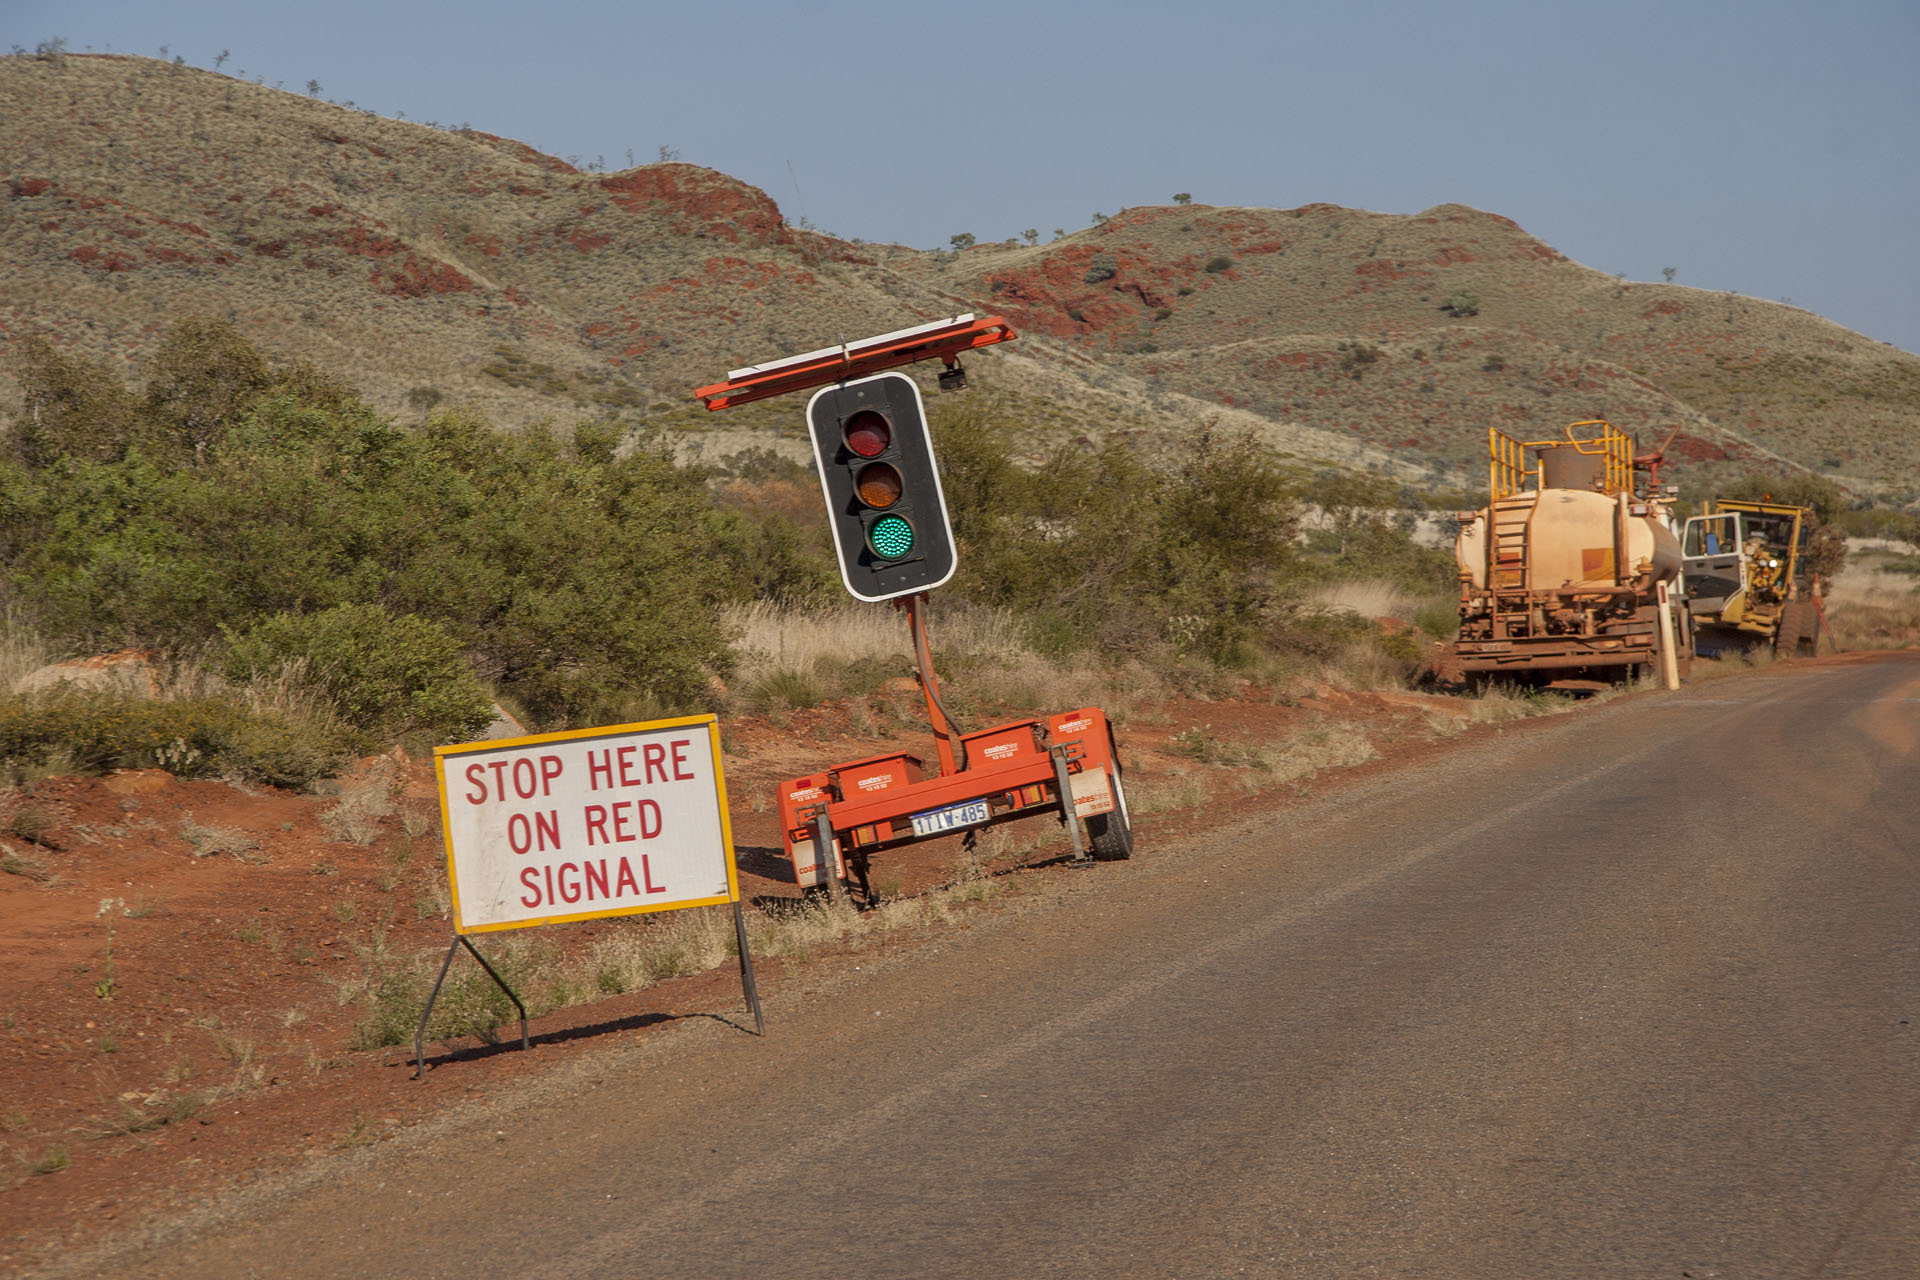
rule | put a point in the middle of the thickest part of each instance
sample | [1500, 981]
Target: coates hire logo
[1001, 750]
[878, 782]
[804, 794]
[1074, 726]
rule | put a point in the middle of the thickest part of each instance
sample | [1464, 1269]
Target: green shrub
[1100, 549]
[97, 731]
[1219, 263]
[390, 675]
[575, 580]
[1439, 619]
[783, 688]
[1367, 533]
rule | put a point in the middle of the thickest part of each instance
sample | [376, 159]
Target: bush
[1101, 267]
[1464, 302]
[1367, 533]
[581, 583]
[389, 675]
[96, 731]
[1219, 263]
[1102, 550]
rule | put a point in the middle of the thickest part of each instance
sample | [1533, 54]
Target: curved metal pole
[946, 732]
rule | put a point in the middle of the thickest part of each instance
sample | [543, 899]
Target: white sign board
[593, 822]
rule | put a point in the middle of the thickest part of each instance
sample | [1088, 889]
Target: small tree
[1183, 197]
[1031, 235]
[1462, 302]
[313, 88]
[1669, 273]
[962, 241]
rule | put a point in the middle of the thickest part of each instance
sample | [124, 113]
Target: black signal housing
[888, 513]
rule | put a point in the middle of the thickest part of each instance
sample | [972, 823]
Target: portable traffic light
[889, 516]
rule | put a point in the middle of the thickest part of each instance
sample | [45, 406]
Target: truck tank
[1567, 569]
[1571, 541]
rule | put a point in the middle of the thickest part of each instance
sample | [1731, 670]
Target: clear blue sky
[1771, 147]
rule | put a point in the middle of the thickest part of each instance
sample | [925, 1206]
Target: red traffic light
[868, 435]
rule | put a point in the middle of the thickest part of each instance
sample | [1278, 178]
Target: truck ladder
[1508, 564]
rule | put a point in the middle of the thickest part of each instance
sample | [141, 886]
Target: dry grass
[795, 658]
[364, 801]
[21, 651]
[209, 841]
[15, 863]
[678, 944]
[643, 951]
[1338, 745]
[1872, 606]
[771, 638]
[1366, 667]
[1369, 599]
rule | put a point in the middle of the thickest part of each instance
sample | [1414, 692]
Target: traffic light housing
[884, 502]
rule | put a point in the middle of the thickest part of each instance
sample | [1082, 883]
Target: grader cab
[1745, 579]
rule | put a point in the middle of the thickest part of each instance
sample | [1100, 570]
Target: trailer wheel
[1112, 833]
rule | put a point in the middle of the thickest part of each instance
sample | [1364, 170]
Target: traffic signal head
[884, 503]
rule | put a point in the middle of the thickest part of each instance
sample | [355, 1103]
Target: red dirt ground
[223, 1050]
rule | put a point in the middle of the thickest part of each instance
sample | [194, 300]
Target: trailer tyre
[1112, 833]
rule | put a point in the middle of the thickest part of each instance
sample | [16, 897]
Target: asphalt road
[1625, 994]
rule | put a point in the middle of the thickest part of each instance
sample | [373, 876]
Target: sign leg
[746, 969]
[501, 983]
[420, 1032]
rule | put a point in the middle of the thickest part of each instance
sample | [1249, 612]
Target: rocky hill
[437, 266]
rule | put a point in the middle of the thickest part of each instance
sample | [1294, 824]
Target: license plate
[951, 818]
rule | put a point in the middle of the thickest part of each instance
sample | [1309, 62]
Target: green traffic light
[891, 536]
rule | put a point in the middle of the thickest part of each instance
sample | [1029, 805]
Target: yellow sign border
[712, 722]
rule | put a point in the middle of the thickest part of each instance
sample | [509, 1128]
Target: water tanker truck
[1568, 572]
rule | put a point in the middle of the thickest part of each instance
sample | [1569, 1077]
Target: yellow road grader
[1746, 580]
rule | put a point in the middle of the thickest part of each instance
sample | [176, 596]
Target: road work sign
[594, 822]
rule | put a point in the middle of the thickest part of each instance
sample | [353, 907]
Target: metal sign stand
[746, 970]
[420, 1032]
[747, 986]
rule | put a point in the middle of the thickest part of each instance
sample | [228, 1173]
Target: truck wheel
[1797, 623]
[1112, 833]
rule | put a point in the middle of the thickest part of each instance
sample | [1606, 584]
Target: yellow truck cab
[1742, 572]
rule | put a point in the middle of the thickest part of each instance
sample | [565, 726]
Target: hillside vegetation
[261, 521]
[446, 267]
